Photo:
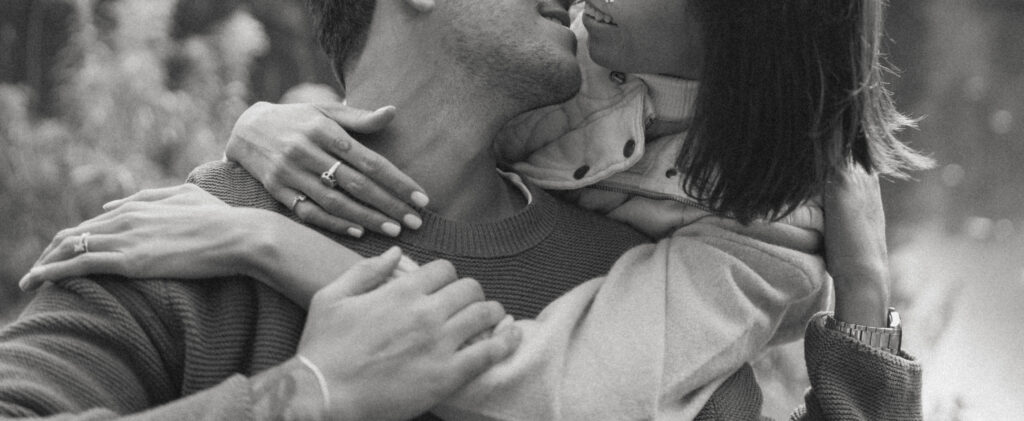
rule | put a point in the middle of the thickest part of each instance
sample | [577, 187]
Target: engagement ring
[82, 245]
[328, 178]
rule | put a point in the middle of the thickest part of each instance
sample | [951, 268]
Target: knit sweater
[96, 348]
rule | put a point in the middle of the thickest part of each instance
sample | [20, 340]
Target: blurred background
[101, 98]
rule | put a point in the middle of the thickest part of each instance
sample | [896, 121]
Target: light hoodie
[673, 319]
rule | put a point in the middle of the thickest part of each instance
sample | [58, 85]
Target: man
[459, 70]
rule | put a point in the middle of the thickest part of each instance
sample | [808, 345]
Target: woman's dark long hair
[791, 92]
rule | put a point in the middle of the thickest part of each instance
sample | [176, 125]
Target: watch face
[894, 319]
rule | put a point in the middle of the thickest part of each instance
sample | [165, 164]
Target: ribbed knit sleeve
[852, 381]
[86, 350]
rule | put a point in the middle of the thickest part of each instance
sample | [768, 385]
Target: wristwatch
[887, 338]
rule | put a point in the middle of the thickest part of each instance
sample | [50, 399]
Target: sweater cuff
[854, 379]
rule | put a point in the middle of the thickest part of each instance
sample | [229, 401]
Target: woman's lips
[592, 12]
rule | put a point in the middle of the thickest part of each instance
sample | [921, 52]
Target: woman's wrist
[866, 306]
[292, 258]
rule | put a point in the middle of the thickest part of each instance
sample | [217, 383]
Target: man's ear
[422, 6]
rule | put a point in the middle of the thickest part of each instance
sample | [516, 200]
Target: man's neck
[441, 137]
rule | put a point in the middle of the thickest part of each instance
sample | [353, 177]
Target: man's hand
[393, 352]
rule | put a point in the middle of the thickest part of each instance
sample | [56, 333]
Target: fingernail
[355, 232]
[23, 283]
[412, 221]
[391, 228]
[111, 204]
[385, 109]
[28, 280]
[420, 199]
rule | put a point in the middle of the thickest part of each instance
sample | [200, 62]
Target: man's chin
[572, 84]
[559, 83]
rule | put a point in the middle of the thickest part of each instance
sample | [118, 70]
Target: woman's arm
[184, 232]
[853, 377]
[671, 320]
[688, 311]
[855, 248]
[153, 233]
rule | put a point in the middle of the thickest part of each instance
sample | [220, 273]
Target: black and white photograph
[512, 210]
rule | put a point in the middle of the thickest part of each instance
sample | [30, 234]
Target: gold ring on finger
[82, 244]
[298, 199]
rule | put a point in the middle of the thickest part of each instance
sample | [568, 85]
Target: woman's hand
[855, 249]
[177, 232]
[288, 147]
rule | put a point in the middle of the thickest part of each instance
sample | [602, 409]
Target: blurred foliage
[134, 108]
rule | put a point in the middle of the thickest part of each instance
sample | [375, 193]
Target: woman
[844, 123]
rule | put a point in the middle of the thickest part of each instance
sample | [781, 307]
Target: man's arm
[386, 352]
[79, 353]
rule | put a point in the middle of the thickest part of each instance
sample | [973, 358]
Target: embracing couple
[691, 229]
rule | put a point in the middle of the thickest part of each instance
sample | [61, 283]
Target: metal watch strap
[888, 338]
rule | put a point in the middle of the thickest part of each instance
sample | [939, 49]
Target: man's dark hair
[791, 92]
[341, 27]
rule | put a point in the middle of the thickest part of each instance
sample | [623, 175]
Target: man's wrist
[289, 391]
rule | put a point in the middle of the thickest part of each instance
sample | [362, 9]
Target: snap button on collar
[630, 148]
[581, 172]
[617, 77]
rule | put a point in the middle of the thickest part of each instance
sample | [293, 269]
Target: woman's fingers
[98, 225]
[360, 184]
[309, 212]
[356, 119]
[340, 206]
[311, 162]
[369, 163]
[72, 246]
[367, 191]
[376, 168]
[149, 195]
[82, 264]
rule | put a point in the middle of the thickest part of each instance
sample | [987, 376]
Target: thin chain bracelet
[319, 379]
